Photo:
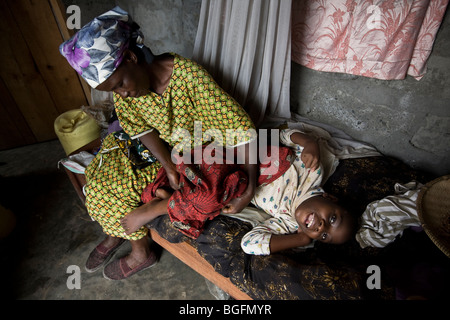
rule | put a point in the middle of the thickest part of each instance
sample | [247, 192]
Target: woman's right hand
[174, 178]
[157, 147]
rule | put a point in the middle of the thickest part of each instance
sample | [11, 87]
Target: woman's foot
[140, 258]
[102, 253]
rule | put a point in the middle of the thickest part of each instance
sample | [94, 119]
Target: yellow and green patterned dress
[191, 101]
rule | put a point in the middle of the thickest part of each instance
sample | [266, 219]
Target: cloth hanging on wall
[246, 46]
[383, 39]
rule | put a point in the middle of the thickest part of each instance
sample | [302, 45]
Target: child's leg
[145, 213]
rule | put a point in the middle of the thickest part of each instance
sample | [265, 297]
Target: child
[300, 210]
[296, 185]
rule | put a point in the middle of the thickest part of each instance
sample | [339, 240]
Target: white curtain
[246, 46]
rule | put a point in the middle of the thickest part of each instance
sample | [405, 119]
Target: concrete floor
[53, 232]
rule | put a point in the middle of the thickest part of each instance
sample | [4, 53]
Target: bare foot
[144, 214]
[137, 218]
[163, 193]
[110, 241]
[140, 251]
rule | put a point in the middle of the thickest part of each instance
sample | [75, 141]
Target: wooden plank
[187, 254]
[78, 181]
[22, 79]
[42, 35]
[59, 12]
[14, 130]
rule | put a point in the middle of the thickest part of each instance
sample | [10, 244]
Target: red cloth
[206, 188]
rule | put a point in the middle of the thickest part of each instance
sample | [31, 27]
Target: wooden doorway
[36, 82]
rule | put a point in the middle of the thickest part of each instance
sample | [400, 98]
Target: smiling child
[300, 209]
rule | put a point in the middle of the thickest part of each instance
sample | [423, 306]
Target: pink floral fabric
[383, 39]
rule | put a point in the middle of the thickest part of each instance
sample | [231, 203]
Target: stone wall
[407, 119]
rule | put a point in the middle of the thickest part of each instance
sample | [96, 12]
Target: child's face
[321, 218]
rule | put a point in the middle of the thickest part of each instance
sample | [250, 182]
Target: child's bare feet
[137, 218]
[163, 193]
[144, 214]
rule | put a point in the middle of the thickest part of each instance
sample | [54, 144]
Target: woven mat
[433, 206]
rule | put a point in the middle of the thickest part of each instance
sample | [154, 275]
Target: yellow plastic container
[75, 128]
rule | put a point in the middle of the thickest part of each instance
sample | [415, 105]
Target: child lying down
[300, 210]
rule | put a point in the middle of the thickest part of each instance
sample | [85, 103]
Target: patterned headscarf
[96, 50]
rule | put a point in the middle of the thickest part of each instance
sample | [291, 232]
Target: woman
[154, 95]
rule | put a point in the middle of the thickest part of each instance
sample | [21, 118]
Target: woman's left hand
[238, 204]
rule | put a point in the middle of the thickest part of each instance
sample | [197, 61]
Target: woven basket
[433, 204]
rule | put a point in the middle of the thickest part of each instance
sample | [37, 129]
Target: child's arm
[280, 242]
[271, 236]
[311, 151]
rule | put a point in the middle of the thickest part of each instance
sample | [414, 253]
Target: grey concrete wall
[407, 119]
[168, 25]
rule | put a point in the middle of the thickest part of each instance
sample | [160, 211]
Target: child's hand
[311, 150]
[280, 242]
[311, 154]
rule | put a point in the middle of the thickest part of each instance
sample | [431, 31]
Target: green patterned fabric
[192, 99]
[114, 187]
